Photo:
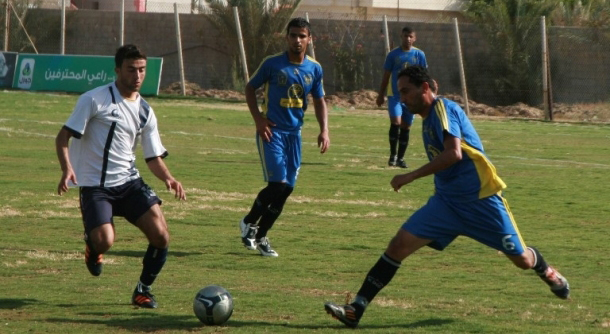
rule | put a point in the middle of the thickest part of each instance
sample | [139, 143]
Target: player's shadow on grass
[144, 321]
[13, 303]
[141, 253]
[153, 321]
[418, 324]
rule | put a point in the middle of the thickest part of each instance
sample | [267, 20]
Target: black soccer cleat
[392, 161]
[559, 284]
[401, 163]
[143, 298]
[93, 261]
[344, 313]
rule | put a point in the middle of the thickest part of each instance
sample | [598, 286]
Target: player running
[467, 199]
[106, 124]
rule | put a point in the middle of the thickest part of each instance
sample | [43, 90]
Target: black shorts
[130, 200]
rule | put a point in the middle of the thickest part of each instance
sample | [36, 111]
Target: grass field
[334, 228]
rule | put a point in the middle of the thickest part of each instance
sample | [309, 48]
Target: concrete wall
[209, 57]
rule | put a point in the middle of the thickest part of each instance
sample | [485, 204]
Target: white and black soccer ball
[213, 305]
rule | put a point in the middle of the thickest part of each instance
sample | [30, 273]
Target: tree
[591, 13]
[263, 25]
[512, 29]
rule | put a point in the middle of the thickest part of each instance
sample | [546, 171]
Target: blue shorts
[399, 109]
[130, 200]
[280, 157]
[488, 221]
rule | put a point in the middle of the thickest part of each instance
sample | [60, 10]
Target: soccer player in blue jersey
[106, 126]
[288, 78]
[467, 199]
[400, 118]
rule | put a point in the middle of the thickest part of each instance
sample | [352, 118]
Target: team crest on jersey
[295, 91]
[308, 79]
[282, 78]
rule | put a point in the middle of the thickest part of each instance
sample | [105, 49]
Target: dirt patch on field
[366, 100]
[193, 89]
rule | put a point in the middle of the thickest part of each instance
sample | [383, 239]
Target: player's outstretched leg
[248, 231]
[344, 313]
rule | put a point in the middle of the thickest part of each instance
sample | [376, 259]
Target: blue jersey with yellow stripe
[399, 59]
[474, 177]
[286, 86]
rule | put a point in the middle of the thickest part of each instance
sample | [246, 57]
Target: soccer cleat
[143, 298]
[559, 284]
[248, 231]
[401, 163]
[93, 261]
[392, 161]
[264, 247]
[344, 313]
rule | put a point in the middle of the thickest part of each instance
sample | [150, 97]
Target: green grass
[333, 229]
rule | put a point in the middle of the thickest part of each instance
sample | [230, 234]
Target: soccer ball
[213, 305]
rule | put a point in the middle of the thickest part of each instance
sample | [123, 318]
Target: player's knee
[397, 249]
[160, 239]
[101, 238]
[102, 245]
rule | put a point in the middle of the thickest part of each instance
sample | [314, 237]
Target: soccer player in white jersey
[106, 124]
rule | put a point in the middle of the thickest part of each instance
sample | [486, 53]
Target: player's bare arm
[160, 170]
[384, 86]
[449, 156]
[322, 116]
[61, 147]
[263, 125]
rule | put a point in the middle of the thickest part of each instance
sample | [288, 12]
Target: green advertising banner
[70, 73]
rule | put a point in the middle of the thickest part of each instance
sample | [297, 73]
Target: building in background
[370, 10]
[373, 10]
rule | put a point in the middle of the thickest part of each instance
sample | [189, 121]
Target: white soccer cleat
[248, 232]
[264, 247]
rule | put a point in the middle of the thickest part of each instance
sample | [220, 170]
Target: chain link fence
[348, 41]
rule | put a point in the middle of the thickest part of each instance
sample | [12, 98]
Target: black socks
[153, 262]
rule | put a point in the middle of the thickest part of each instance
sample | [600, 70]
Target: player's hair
[407, 30]
[298, 22]
[417, 76]
[127, 51]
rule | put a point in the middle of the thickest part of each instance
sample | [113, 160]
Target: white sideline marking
[558, 161]
[9, 130]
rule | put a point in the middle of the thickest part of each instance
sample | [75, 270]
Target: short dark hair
[127, 51]
[407, 30]
[417, 76]
[298, 22]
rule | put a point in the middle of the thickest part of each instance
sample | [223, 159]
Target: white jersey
[106, 129]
